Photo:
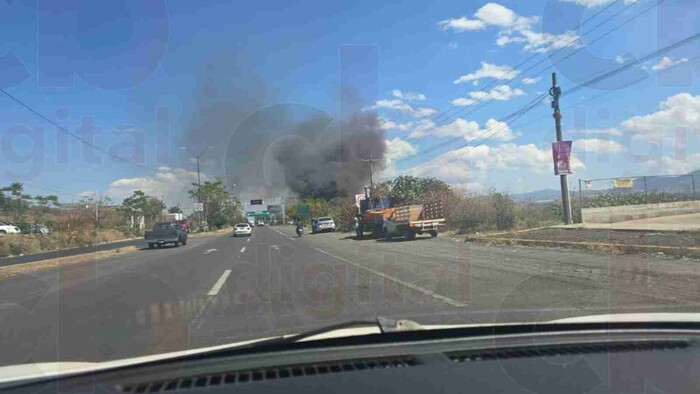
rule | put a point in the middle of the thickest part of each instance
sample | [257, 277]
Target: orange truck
[405, 220]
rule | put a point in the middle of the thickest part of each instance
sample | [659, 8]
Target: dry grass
[27, 268]
[224, 230]
[17, 244]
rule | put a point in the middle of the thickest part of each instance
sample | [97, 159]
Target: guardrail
[34, 257]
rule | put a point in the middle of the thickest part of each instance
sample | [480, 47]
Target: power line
[521, 112]
[605, 93]
[484, 103]
[86, 142]
[552, 45]
[548, 67]
[600, 78]
[505, 119]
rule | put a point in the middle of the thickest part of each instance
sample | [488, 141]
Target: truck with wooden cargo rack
[387, 222]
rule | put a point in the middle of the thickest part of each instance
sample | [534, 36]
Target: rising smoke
[274, 150]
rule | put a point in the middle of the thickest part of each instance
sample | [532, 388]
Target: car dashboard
[584, 361]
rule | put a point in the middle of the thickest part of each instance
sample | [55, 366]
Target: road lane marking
[275, 247]
[282, 233]
[247, 240]
[423, 290]
[219, 283]
[243, 249]
[210, 250]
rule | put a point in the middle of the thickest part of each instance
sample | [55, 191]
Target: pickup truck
[166, 233]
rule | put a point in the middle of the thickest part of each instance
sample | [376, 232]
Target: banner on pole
[561, 152]
[623, 183]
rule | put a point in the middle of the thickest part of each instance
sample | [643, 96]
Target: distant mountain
[538, 195]
[668, 184]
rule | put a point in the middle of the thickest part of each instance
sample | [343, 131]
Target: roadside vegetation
[464, 212]
[91, 220]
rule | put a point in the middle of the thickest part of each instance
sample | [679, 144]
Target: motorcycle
[300, 230]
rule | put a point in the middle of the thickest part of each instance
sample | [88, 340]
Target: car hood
[21, 372]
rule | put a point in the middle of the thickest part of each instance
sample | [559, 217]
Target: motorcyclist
[299, 225]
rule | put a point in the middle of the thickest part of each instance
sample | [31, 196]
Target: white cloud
[423, 112]
[401, 106]
[598, 145]
[498, 15]
[388, 124]
[667, 165]
[463, 102]
[611, 131]
[530, 81]
[172, 183]
[397, 149]
[470, 130]
[487, 70]
[596, 3]
[408, 96]
[499, 93]
[512, 28]
[667, 62]
[452, 45]
[394, 104]
[619, 59]
[461, 24]
[472, 163]
[677, 113]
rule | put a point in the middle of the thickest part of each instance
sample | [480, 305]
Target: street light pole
[199, 182]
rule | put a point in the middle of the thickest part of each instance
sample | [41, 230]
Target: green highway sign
[250, 213]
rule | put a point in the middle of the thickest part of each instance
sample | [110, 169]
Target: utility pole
[555, 92]
[371, 175]
[97, 209]
[199, 183]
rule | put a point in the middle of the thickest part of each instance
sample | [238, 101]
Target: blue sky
[117, 63]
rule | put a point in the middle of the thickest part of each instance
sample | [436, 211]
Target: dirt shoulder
[681, 244]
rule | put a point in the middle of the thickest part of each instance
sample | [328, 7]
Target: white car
[242, 229]
[6, 228]
[322, 224]
[261, 223]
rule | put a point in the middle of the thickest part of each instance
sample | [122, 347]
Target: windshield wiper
[384, 324]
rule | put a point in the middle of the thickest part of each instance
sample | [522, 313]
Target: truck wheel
[377, 231]
[184, 242]
[410, 235]
[150, 245]
[433, 233]
[177, 243]
[387, 234]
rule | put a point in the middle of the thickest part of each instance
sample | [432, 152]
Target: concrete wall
[634, 212]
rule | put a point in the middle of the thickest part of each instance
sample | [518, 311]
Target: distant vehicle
[300, 229]
[166, 233]
[7, 228]
[405, 220]
[39, 229]
[261, 223]
[251, 222]
[242, 229]
[184, 224]
[322, 224]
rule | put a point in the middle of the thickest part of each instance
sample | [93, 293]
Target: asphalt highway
[221, 289]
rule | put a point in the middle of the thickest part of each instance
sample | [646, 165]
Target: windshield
[165, 226]
[456, 162]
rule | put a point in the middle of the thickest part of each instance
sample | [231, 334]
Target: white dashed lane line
[283, 233]
[423, 290]
[219, 283]
[243, 249]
